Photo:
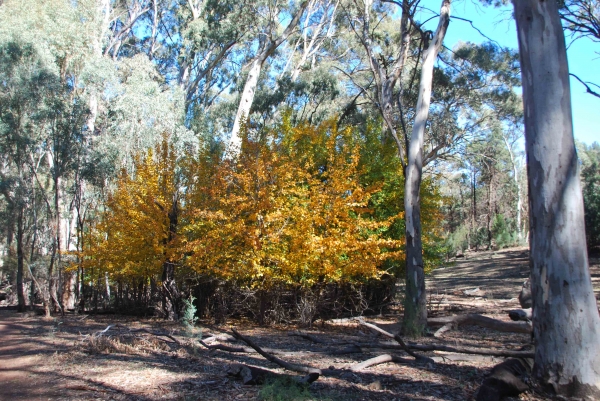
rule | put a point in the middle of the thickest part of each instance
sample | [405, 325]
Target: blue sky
[498, 24]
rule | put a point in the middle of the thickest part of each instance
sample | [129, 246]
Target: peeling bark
[566, 324]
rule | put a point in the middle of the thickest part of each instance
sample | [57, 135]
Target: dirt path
[24, 350]
[59, 359]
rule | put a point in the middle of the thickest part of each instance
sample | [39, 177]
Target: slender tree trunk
[415, 308]
[20, 260]
[235, 141]
[513, 161]
[170, 291]
[566, 324]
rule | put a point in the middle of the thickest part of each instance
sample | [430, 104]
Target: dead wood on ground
[274, 359]
[423, 347]
[256, 375]
[379, 360]
[126, 330]
[448, 322]
[398, 339]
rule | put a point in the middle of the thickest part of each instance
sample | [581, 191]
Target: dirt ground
[62, 359]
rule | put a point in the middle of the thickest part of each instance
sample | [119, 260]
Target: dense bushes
[301, 224]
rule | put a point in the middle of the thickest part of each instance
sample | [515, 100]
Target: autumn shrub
[281, 214]
[131, 240]
[302, 223]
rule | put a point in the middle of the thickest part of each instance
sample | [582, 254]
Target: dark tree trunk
[20, 260]
[170, 298]
[566, 324]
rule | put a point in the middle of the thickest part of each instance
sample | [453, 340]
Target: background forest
[251, 155]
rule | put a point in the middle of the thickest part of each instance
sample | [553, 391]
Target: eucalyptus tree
[53, 31]
[315, 29]
[566, 324]
[415, 308]
[22, 77]
[267, 37]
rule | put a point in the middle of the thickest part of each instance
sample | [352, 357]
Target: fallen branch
[255, 375]
[433, 347]
[471, 350]
[227, 348]
[133, 331]
[274, 359]
[482, 321]
[378, 360]
[398, 339]
[520, 315]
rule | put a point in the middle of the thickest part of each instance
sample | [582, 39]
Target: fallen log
[482, 321]
[129, 331]
[471, 350]
[524, 315]
[274, 359]
[399, 340]
[227, 348]
[432, 347]
[255, 375]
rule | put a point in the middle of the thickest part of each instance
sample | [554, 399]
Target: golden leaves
[300, 205]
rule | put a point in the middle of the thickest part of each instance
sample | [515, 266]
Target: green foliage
[504, 235]
[188, 314]
[284, 389]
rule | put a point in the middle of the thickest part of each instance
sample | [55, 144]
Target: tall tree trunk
[566, 324]
[415, 308]
[20, 260]
[513, 162]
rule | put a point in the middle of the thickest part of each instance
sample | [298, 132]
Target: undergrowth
[284, 389]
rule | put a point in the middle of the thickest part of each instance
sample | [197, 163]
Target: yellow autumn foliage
[277, 214]
[130, 241]
[299, 205]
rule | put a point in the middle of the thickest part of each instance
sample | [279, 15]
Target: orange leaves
[290, 209]
[287, 213]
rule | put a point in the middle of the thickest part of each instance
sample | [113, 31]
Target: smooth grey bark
[566, 324]
[265, 51]
[415, 304]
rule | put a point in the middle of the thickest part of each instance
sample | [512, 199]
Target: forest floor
[60, 359]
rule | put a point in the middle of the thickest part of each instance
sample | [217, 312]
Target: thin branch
[587, 85]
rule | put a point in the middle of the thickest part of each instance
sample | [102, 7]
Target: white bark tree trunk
[415, 307]
[104, 18]
[566, 324]
[513, 161]
[235, 141]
